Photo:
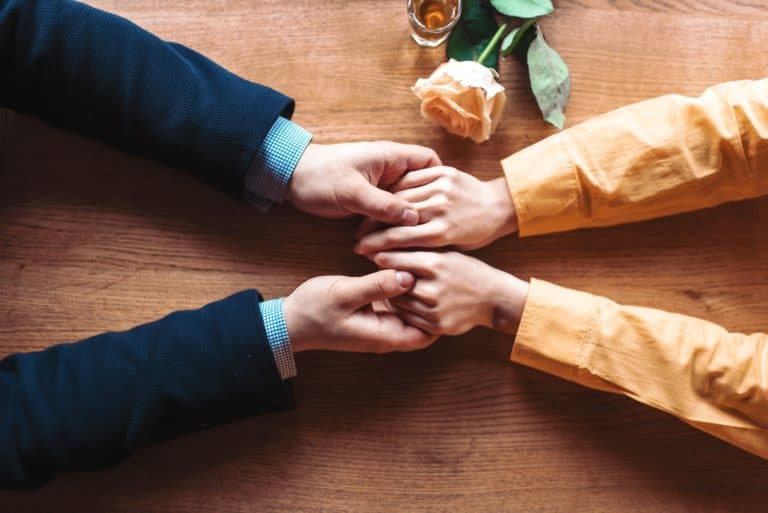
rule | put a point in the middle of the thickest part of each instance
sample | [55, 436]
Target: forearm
[98, 74]
[87, 405]
[659, 157]
[691, 368]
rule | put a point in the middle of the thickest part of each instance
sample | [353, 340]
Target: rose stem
[492, 43]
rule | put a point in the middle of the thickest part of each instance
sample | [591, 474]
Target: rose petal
[463, 97]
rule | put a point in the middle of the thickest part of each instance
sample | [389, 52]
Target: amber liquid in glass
[435, 14]
[432, 20]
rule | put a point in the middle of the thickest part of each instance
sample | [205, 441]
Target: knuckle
[441, 203]
[433, 260]
[441, 237]
[393, 237]
[441, 171]
[429, 292]
[443, 186]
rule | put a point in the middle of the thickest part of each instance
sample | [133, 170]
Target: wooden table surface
[89, 242]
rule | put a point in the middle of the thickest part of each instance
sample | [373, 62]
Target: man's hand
[336, 313]
[454, 293]
[454, 208]
[341, 180]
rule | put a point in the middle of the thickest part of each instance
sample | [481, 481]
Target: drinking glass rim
[412, 16]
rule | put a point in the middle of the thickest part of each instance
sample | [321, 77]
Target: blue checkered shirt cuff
[272, 168]
[277, 335]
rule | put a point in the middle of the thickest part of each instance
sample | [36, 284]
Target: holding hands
[409, 200]
[455, 293]
[454, 208]
[336, 313]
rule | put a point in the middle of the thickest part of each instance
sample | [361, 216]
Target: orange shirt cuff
[555, 331]
[544, 187]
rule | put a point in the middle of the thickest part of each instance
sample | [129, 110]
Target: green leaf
[513, 39]
[550, 80]
[524, 8]
[472, 34]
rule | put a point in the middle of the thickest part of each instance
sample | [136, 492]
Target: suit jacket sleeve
[87, 405]
[86, 70]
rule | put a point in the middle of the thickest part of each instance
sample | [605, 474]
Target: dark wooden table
[89, 241]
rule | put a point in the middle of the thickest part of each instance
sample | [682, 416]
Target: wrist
[293, 324]
[502, 209]
[293, 192]
[508, 303]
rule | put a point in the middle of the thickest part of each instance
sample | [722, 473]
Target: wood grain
[89, 242]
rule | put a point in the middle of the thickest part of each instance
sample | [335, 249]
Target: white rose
[463, 97]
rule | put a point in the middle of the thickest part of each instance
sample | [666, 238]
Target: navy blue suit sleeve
[86, 70]
[87, 405]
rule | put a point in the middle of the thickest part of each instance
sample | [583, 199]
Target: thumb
[383, 206]
[378, 286]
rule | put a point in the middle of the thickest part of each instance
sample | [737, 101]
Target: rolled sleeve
[555, 331]
[545, 187]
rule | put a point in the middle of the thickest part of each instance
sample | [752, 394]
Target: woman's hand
[454, 293]
[455, 209]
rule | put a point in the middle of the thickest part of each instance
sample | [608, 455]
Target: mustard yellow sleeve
[659, 157]
[712, 379]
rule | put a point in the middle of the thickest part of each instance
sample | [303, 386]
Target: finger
[420, 263]
[413, 305]
[381, 205]
[420, 193]
[417, 178]
[417, 321]
[424, 235]
[424, 291]
[382, 306]
[387, 332]
[401, 158]
[354, 293]
[420, 199]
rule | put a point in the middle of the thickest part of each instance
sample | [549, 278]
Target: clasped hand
[409, 200]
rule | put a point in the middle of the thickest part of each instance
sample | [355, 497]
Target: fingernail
[410, 217]
[405, 280]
